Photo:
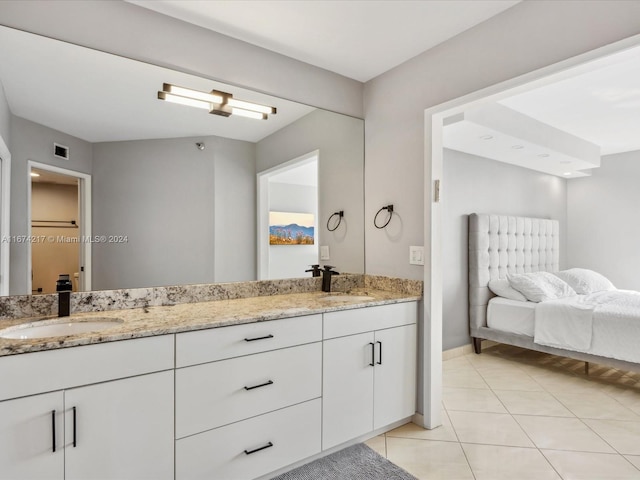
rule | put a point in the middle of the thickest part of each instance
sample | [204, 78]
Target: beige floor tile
[621, 435]
[489, 462]
[488, 429]
[591, 466]
[444, 432]
[563, 383]
[629, 396]
[635, 459]
[455, 363]
[596, 405]
[378, 444]
[429, 460]
[464, 377]
[562, 434]
[510, 380]
[471, 400]
[532, 403]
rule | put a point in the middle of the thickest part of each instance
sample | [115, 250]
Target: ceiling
[357, 39]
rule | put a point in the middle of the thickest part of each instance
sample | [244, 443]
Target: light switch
[416, 255]
[324, 252]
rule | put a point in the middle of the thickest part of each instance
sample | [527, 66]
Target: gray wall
[291, 261]
[476, 184]
[340, 177]
[32, 141]
[506, 46]
[167, 196]
[135, 32]
[604, 220]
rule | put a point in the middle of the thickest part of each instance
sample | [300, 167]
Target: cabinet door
[347, 388]
[123, 429]
[395, 375]
[27, 438]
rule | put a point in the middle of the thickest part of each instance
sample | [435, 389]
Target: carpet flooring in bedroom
[357, 462]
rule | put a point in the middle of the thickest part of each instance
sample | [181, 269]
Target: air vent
[60, 151]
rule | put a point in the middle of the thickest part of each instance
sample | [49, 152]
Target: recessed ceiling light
[567, 173]
[517, 147]
[543, 155]
[34, 174]
[565, 162]
[486, 137]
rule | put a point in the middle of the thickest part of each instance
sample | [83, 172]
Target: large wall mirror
[155, 193]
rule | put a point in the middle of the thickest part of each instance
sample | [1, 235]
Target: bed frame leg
[586, 368]
[477, 345]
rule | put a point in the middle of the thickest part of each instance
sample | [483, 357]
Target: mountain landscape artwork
[288, 228]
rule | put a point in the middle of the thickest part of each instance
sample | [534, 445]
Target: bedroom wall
[603, 230]
[473, 184]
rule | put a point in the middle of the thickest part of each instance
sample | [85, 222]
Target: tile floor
[515, 414]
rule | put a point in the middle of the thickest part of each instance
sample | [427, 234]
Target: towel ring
[388, 208]
[340, 214]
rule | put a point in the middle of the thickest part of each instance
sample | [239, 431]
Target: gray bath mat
[353, 463]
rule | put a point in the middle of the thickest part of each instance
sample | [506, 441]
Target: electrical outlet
[324, 252]
[416, 255]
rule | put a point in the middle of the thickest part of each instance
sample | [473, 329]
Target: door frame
[84, 214]
[5, 216]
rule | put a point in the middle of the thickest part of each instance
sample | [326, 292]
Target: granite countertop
[161, 320]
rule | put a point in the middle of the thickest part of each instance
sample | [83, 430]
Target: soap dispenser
[64, 287]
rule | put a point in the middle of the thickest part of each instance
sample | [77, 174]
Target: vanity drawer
[290, 435]
[219, 393]
[220, 343]
[360, 320]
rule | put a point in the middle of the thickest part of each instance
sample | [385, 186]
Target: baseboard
[457, 352]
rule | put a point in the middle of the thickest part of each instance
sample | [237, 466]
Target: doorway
[291, 189]
[60, 228]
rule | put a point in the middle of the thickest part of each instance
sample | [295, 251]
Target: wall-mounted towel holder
[340, 215]
[389, 209]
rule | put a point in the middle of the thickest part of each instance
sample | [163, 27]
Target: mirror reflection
[132, 191]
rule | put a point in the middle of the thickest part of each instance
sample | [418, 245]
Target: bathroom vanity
[233, 389]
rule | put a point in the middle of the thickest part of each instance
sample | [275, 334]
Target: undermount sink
[345, 297]
[59, 327]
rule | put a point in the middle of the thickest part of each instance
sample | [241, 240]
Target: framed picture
[287, 228]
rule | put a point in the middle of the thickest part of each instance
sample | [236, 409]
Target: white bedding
[602, 323]
[511, 316]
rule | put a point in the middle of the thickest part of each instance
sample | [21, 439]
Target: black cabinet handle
[258, 338]
[74, 428]
[373, 354]
[53, 429]
[270, 382]
[249, 452]
[379, 362]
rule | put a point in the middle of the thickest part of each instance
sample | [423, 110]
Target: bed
[599, 327]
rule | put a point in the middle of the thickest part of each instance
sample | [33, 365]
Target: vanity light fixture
[34, 174]
[218, 103]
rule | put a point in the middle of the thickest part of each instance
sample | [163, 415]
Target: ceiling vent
[60, 151]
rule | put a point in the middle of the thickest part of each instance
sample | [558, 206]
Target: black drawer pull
[270, 382]
[258, 338]
[373, 354]
[379, 362]
[53, 428]
[74, 428]
[249, 452]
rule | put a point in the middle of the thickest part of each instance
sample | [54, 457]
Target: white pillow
[502, 288]
[585, 281]
[540, 286]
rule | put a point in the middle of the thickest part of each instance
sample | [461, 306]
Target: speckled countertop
[161, 320]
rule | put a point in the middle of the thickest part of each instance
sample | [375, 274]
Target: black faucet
[327, 273]
[315, 270]
[64, 287]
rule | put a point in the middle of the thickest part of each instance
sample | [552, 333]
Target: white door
[122, 429]
[347, 388]
[29, 429]
[395, 375]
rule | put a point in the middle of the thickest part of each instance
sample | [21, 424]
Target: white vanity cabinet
[369, 370]
[110, 416]
[254, 405]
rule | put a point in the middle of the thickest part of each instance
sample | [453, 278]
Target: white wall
[338, 139]
[174, 202]
[135, 32]
[604, 224]
[526, 37]
[5, 117]
[479, 185]
[291, 261]
[32, 141]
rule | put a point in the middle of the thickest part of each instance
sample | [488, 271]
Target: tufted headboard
[500, 244]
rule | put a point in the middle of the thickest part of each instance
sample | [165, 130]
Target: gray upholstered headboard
[500, 244]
